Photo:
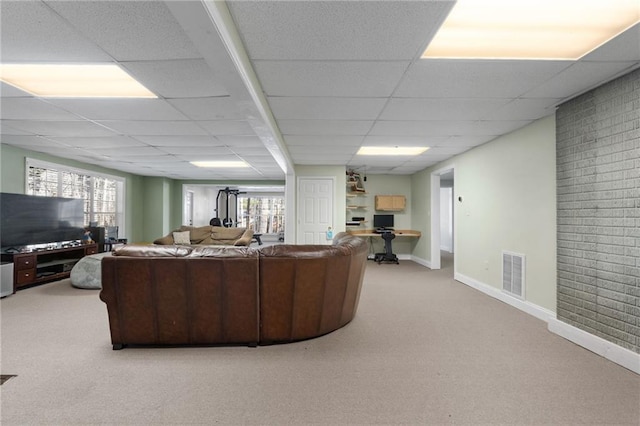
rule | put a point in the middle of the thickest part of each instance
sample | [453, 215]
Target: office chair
[387, 256]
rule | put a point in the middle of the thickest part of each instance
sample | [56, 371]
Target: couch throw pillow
[182, 237]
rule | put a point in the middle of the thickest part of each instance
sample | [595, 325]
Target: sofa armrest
[245, 239]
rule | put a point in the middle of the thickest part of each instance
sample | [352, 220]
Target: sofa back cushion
[134, 250]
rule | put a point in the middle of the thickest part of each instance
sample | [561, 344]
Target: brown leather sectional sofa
[203, 295]
[210, 235]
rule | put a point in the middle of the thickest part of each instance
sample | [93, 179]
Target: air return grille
[513, 273]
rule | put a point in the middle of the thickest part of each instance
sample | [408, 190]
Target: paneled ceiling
[275, 83]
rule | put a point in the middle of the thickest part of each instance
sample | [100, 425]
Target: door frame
[435, 216]
[298, 199]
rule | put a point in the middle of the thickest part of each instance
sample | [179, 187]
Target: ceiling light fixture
[392, 150]
[73, 81]
[530, 29]
[220, 164]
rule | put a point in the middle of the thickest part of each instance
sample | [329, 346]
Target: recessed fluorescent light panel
[220, 164]
[391, 150]
[531, 29]
[73, 81]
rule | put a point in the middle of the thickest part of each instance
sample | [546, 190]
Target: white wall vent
[513, 273]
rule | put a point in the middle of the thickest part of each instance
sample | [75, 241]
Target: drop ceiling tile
[98, 142]
[439, 109]
[150, 24]
[579, 77]
[333, 150]
[9, 91]
[323, 141]
[188, 78]
[396, 141]
[325, 127]
[335, 78]
[625, 47]
[154, 128]
[469, 141]
[327, 108]
[227, 127]
[33, 109]
[146, 151]
[32, 32]
[241, 141]
[524, 109]
[121, 109]
[32, 141]
[212, 108]
[337, 30]
[439, 78]
[59, 128]
[179, 140]
[195, 151]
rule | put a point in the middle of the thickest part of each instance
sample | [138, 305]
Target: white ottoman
[87, 273]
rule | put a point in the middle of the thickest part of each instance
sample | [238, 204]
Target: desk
[398, 232]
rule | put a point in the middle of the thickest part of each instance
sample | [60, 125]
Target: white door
[315, 210]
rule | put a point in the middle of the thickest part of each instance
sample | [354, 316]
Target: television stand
[43, 266]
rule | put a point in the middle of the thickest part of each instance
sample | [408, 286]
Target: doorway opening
[443, 218]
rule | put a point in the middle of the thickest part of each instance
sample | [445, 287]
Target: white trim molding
[615, 353]
[528, 307]
[598, 345]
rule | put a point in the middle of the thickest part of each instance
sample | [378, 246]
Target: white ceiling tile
[146, 151]
[129, 30]
[625, 47]
[98, 142]
[337, 30]
[154, 128]
[396, 141]
[120, 109]
[325, 127]
[429, 78]
[524, 109]
[439, 109]
[32, 141]
[227, 127]
[336, 78]
[577, 78]
[59, 128]
[212, 108]
[188, 78]
[33, 109]
[194, 151]
[179, 140]
[327, 108]
[323, 141]
[32, 32]
[240, 141]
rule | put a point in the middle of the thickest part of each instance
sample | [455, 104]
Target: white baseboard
[598, 345]
[604, 348]
[528, 307]
[420, 261]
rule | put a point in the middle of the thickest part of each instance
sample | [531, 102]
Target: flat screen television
[29, 219]
[383, 221]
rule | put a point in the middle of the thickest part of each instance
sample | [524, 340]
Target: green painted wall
[12, 179]
[509, 203]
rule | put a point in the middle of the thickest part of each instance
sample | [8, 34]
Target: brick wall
[598, 191]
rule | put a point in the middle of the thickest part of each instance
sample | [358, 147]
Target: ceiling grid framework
[333, 82]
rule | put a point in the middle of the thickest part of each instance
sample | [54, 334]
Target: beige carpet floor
[423, 349]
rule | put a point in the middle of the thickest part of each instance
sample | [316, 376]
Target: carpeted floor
[423, 349]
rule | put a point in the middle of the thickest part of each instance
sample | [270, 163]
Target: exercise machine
[227, 222]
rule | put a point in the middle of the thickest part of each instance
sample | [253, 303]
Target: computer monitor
[382, 221]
